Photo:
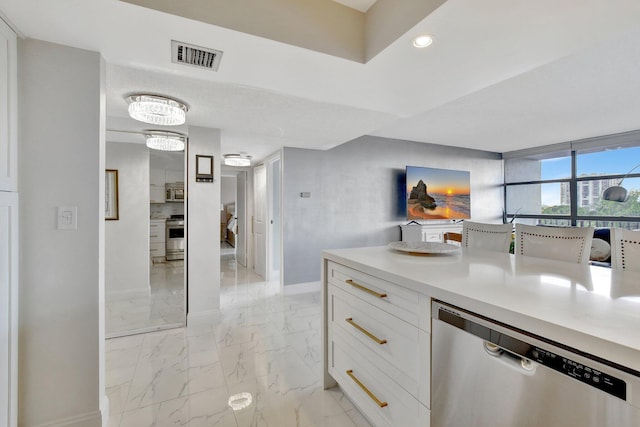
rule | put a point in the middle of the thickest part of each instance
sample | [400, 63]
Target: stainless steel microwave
[175, 192]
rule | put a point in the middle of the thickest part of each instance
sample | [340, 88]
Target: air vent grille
[196, 56]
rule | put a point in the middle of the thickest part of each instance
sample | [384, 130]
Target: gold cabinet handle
[366, 390]
[364, 331]
[362, 288]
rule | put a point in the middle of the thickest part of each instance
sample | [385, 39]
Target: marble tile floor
[161, 306]
[262, 343]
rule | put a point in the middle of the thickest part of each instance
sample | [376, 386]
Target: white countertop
[593, 309]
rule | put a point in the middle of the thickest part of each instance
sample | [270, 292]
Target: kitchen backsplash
[165, 210]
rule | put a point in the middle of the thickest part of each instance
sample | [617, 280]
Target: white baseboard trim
[301, 288]
[203, 317]
[92, 419]
[126, 294]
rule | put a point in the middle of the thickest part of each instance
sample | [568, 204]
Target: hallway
[263, 343]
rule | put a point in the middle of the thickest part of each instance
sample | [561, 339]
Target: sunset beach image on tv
[437, 194]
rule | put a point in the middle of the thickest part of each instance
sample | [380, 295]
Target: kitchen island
[377, 306]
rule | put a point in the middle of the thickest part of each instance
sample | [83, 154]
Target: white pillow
[600, 250]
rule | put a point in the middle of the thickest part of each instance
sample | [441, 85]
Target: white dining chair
[572, 244]
[625, 249]
[490, 237]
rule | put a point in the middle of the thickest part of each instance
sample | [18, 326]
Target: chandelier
[239, 160]
[157, 110]
[165, 140]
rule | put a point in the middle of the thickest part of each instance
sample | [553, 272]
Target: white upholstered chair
[572, 244]
[625, 249]
[490, 237]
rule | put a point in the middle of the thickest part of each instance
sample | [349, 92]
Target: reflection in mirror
[144, 249]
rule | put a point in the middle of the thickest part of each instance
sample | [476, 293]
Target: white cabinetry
[379, 346]
[8, 110]
[8, 308]
[157, 182]
[157, 240]
[428, 233]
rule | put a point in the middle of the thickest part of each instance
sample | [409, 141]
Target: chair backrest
[490, 237]
[572, 244]
[450, 236]
[625, 249]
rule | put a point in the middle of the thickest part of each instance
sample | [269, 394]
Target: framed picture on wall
[204, 168]
[111, 194]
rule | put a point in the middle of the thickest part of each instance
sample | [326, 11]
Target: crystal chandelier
[239, 160]
[157, 110]
[165, 140]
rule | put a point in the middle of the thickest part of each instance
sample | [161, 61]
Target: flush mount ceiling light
[241, 159]
[157, 110]
[423, 40]
[165, 140]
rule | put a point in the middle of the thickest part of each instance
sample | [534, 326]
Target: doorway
[233, 214]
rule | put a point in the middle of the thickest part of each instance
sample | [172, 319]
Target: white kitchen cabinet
[379, 351]
[8, 109]
[428, 233]
[157, 193]
[157, 240]
[8, 308]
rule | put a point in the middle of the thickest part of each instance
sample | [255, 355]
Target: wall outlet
[67, 217]
[305, 195]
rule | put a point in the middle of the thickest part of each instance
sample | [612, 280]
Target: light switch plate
[67, 217]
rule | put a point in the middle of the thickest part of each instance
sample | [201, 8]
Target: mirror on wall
[144, 247]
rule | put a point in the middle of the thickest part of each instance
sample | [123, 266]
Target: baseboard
[301, 288]
[126, 294]
[203, 317]
[92, 419]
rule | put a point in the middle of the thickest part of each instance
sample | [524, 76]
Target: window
[542, 188]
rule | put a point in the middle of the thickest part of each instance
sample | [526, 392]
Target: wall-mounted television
[437, 194]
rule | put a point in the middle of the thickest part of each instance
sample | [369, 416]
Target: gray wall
[357, 195]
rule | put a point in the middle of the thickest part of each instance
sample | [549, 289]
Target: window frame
[573, 181]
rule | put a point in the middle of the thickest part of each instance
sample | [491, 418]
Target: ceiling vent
[197, 56]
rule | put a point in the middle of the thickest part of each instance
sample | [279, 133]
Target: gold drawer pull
[362, 288]
[366, 390]
[364, 331]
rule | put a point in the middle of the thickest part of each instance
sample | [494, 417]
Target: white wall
[358, 196]
[228, 189]
[203, 227]
[127, 239]
[61, 129]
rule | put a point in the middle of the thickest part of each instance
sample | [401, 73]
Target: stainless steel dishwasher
[486, 374]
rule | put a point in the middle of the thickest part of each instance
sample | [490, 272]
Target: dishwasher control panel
[583, 373]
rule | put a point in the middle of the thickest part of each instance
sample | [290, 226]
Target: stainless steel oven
[175, 238]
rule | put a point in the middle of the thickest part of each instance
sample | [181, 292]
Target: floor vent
[197, 56]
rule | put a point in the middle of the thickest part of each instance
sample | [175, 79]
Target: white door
[260, 220]
[241, 214]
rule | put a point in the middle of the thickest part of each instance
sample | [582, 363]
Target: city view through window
[538, 191]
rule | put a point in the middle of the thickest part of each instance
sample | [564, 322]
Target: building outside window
[563, 184]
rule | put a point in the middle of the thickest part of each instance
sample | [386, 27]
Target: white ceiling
[502, 74]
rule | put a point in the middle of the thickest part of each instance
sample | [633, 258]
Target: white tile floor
[161, 306]
[262, 343]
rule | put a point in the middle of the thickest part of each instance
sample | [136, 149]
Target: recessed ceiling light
[422, 40]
